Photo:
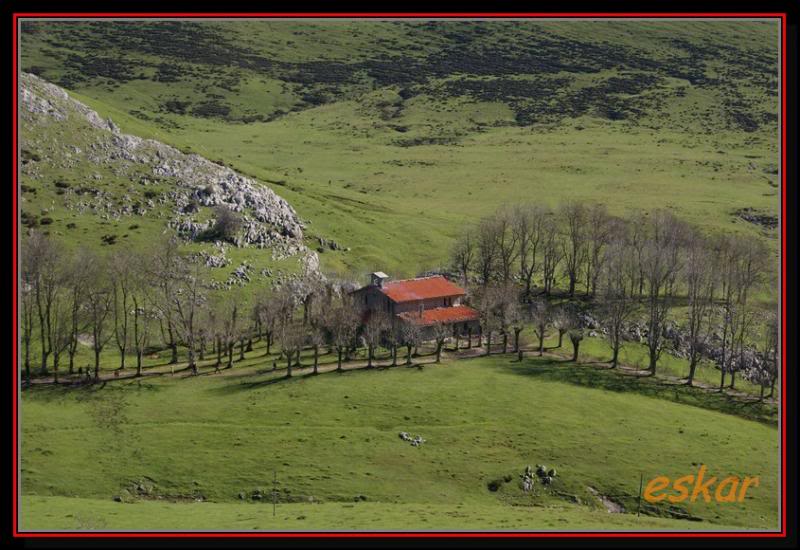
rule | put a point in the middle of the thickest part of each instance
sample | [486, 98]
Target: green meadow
[209, 443]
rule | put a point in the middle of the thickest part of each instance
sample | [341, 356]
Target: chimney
[377, 278]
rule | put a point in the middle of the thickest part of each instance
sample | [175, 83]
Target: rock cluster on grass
[751, 215]
[546, 475]
[415, 441]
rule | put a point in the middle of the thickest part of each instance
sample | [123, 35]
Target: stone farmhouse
[423, 301]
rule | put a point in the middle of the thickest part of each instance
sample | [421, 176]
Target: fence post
[639, 504]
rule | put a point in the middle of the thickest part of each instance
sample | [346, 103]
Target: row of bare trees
[636, 268]
[161, 299]
[119, 299]
[639, 267]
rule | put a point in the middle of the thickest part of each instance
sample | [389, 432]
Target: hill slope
[390, 136]
[85, 180]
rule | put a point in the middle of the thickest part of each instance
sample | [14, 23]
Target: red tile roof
[447, 315]
[424, 288]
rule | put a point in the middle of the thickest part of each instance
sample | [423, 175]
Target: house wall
[372, 299]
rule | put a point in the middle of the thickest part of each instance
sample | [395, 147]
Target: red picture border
[398, 15]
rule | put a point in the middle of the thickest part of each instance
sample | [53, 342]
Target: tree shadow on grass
[601, 377]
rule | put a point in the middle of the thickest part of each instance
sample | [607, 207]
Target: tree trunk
[516, 339]
[202, 349]
[289, 365]
[505, 342]
[339, 358]
[439, 351]
[174, 347]
[653, 362]
[615, 356]
[138, 362]
[489, 343]
[241, 349]
[249, 344]
[394, 355]
[541, 341]
[575, 346]
[230, 355]
[369, 356]
[97, 364]
[316, 359]
[219, 352]
[560, 337]
[408, 355]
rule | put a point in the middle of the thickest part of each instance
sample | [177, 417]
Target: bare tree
[528, 224]
[540, 318]
[343, 322]
[551, 252]
[291, 337]
[411, 337]
[519, 315]
[560, 320]
[463, 255]
[573, 246]
[575, 334]
[99, 305]
[599, 230]
[28, 302]
[375, 327]
[486, 250]
[60, 328]
[764, 371]
[143, 315]
[507, 240]
[751, 270]
[700, 280]
[230, 314]
[42, 261]
[76, 283]
[394, 337]
[316, 338]
[661, 265]
[618, 304]
[162, 266]
[636, 240]
[440, 334]
[487, 304]
[121, 273]
[188, 298]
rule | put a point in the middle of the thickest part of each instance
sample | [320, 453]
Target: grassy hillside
[333, 440]
[390, 136]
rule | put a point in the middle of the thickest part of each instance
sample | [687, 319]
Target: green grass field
[333, 438]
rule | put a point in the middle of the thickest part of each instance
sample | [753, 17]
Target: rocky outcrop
[267, 219]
